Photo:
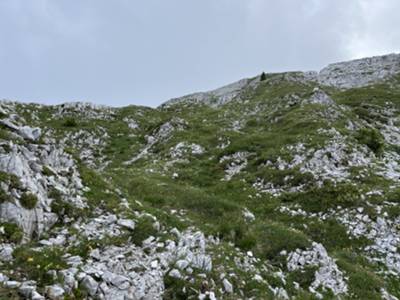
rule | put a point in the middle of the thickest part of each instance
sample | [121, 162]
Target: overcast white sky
[125, 52]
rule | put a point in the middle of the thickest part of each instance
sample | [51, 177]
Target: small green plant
[263, 76]
[70, 122]
[394, 196]
[28, 200]
[3, 196]
[304, 277]
[252, 122]
[143, 229]
[54, 194]
[47, 171]
[11, 180]
[12, 233]
[372, 138]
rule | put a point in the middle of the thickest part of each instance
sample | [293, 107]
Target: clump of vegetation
[55, 194]
[28, 200]
[70, 122]
[304, 277]
[252, 123]
[330, 233]
[12, 233]
[11, 180]
[322, 198]
[372, 138]
[4, 134]
[275, 237]
[6, 293]
[263, 76]
[3, 196]
[37, 264]
[394, 196]
[176, 288]
[234, 229]
[47, 171]
[143, 229]
[362, 281]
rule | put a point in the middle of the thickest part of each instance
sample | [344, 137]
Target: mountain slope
[264, 189]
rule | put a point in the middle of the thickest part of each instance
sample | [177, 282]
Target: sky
[125, 52]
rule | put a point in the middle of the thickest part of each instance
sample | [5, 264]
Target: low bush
[28, 200]
[274, 237]
[143, 229]
[12, 233]
[234, 229]
[303, 277]
[394, 196]
[47, 171]
[37, 264]
[70, 122]
[3, 196]
[372, 138]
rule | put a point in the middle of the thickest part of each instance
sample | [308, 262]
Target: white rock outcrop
[360, 72]
[327, 276]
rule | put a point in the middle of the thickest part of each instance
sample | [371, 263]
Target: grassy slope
[215, 206]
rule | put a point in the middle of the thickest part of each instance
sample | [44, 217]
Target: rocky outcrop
[360, 72]
[84, 110]
[327, 275]
[28, 163]
[216, 97]
[135, 272]
[25, 132]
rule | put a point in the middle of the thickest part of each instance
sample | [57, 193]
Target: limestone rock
[55, 292]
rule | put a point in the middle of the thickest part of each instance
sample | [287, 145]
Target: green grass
[328, 196]
[276, 237]
[363, 282]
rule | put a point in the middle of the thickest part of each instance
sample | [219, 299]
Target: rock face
[27, 163]
[360, 72]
